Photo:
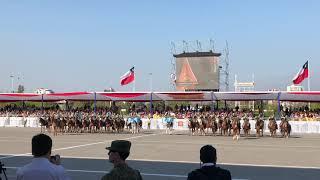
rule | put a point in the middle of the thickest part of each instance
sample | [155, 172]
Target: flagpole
[134, 86]
[309, 75]
[134, 83]
[309, 104]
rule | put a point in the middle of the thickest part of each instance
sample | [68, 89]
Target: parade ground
[160, 156]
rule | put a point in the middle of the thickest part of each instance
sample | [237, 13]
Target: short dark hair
[41, 145]
[208, 154]
[124, 155]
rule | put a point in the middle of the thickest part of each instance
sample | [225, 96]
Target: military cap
[120, 146]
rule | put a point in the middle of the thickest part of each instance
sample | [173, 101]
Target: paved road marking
[226, 144]
[188, 162]
[104, 172]
[82, 145]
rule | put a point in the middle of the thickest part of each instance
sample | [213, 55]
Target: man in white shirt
[43, 166]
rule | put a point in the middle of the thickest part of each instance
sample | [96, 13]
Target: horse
[212, 124]
[246, 127]
[44, 123]
[62, 125]
[118, 124]
[102, 124]
[193, 125]
[272, 126]
[109, 123]
[259, 127]
[168, 121]
[235, 125]
[225, 127]
[131, 125]
[203, 123]
[54, 125]
[85, 125]
[78, 126]
[220, 121]
[285, 128]
[92, 125]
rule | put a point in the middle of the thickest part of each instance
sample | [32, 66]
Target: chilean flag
[302, 74]
[128, 77]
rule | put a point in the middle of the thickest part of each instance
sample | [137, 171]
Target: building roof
[197, 54]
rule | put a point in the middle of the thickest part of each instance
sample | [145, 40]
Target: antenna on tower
[199, 48]
[185, 46]
[212, 45]
[227, 66]
[173, 67]
[225, 69]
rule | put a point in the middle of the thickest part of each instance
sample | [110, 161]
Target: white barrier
[299, 127]
[19, 122]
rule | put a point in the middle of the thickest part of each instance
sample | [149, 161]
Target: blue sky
[88, 45]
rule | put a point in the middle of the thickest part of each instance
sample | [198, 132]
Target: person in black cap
[208, 169]
[118, 153]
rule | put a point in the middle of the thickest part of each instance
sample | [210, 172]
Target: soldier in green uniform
[118, 153]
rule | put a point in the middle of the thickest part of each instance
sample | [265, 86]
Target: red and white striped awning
[306, 96]
[301, 96]
[246, 96]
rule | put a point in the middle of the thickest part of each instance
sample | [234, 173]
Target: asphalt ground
[160, 156]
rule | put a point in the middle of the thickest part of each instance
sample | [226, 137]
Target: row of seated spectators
[16, 111]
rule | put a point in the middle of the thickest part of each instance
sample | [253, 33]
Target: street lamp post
[11, 76]
[150, 74]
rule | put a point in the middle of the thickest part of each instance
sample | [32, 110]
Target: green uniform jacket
[122, 172]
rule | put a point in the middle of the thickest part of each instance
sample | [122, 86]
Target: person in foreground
[118, 153]
[208, 169]
[43, 165]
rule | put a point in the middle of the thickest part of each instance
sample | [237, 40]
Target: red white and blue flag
[302, 74]
[128, 77]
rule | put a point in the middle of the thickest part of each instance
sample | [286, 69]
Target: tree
[20, 88]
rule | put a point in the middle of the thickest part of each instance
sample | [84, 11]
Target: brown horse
[225, 127]
[246, 127]
[71, 124]
[62, 125]
[272, 125]
[54, 125]
[220, 121]
[193, 125]
[203, 123]
[92, 125]
[78, 126]
[85, 125]
[259, 127]
[44, 124]
[109, 124]
[118, 124]
[285, 128]
[235, 125]
[212, 124]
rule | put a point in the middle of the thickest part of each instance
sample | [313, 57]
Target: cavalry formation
[88, 123]
[231, 124]
[223, 124]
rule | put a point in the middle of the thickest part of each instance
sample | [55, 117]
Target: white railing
[299, 127]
